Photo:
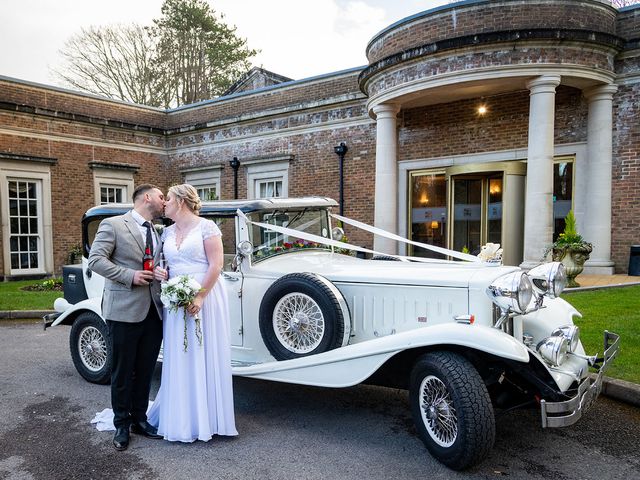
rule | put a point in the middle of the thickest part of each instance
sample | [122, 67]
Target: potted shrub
[570, 249]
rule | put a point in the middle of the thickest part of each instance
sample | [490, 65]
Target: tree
[113, 61]
[198, 56]
[189, 55]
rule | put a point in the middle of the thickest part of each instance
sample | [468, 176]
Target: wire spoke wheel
[92, 347]
[438, 411]
[298, 323]
[451, 409]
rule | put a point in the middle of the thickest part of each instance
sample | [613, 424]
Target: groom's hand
[142, 277]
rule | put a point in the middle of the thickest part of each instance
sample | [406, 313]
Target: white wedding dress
[195, 400]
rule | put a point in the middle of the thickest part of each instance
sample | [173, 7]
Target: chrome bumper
[48, 319]
[568, 412]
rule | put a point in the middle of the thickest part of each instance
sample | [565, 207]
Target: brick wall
[491, 16]
[625, 204]
[456, 128]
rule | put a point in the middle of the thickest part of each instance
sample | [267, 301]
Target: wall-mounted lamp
[341, 151]
[235, 164]
[434, 224]
[482, 110]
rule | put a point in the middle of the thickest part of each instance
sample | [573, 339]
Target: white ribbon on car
[398, 238]
[335, 243]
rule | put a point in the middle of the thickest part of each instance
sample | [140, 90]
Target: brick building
[559, 128]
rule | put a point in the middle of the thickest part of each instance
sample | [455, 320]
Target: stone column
[596, 225]
[538, 214]
[386, 190]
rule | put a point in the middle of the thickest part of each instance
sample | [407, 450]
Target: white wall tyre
[302, 314]
[90, 347]
[452, 409]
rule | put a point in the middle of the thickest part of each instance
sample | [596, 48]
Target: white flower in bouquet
[179, 292]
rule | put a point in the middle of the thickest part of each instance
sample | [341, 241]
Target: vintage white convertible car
[464, 336]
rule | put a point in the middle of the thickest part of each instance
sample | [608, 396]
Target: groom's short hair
[141, 190]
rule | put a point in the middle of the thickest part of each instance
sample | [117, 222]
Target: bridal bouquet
[179, 292]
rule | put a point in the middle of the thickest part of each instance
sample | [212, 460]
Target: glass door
[428, 212]
[476, 211]
[467, 214]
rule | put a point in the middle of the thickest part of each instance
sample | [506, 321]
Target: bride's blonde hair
[188, 195]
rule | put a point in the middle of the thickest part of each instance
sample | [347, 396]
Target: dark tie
[149, 243]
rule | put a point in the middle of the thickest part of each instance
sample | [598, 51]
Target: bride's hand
[195, 306]
[160, 273]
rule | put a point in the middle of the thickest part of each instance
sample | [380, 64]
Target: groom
[131, 305]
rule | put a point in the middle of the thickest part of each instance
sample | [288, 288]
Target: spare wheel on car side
[303, 314]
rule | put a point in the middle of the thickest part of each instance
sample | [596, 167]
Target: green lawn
[616, 310]
[12, 298]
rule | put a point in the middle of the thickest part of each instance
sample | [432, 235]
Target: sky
[296, 38]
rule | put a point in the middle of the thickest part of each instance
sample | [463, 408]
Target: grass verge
[13, 298]
[616, 310]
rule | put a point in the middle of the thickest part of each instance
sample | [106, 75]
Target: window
[112, 182]
[268, 177]
[25, 225]
[207, 192]
[112, 194]
[206, 181]
[25, 213]
[562, 193]
[268, 188]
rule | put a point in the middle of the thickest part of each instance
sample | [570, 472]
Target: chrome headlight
[548, 279]
[511, 292]
[571, 333]
[554, 349]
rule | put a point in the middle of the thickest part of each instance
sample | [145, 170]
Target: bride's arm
[215, 257]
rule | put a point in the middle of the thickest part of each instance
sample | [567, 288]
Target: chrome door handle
[231, 278]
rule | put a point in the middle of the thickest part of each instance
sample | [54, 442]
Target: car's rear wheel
[452, 409]
[303, 314]
[91, 348]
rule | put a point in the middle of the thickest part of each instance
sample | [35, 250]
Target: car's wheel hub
[92, 347]
[438, 412]
[298, 323]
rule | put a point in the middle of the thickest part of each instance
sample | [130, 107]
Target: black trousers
[134, 348]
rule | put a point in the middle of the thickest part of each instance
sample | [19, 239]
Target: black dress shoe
[144, 428]
[121, 439]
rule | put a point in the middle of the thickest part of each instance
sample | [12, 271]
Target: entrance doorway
[466, 206]
[477, 211]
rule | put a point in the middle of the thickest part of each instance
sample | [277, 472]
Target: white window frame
[267, 169]
[122, 188]
[107, 177]
[264, 181]
[41, 174]
[204, 177]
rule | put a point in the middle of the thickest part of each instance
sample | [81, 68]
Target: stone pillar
[386, 190]
[596, 225]
[538, 214]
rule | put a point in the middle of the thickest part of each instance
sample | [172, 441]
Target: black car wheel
[452, 409]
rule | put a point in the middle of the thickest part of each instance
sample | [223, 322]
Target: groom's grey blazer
[115, 254]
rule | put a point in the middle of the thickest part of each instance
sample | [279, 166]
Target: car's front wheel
[452, 409]
[91, 348]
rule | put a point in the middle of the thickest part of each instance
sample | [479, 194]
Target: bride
[195, 400]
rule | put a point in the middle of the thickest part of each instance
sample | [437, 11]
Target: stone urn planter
[573, 258]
